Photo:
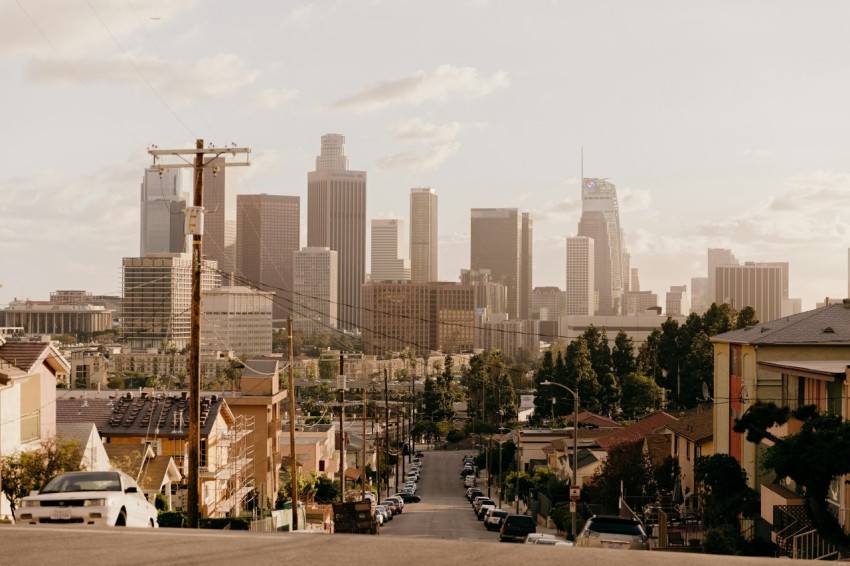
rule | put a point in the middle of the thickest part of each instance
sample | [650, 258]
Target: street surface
[440, 530]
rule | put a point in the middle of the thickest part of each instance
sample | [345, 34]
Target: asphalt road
[444, 511]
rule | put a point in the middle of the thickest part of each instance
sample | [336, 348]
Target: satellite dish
[705, 393]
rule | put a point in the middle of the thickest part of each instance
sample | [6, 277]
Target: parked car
[408, 497]
[480, 502]
[551, 542]
[469, 480]
[473, 492]
[532, 538]
[399, 501]
[492, 521]
[394, 507]
[90, 498]
[517, 527]
[482, 511]
[385, 512]
[611, 531]
[419, 454]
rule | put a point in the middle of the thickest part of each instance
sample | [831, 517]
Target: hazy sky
[722, 123]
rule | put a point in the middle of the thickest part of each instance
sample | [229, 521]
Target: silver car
[611, 531]
[89, 498]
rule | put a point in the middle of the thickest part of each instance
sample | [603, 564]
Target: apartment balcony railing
[31, 427]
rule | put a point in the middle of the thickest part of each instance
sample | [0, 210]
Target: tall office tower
[336, 218]
[315, 290]
[162, 204]
[600, 220]
[581, 276]
[699, 295]
[501, 242]
[388, 263]
[434, 316]
[763, 286]
[423, 235]
[677, 301]
[157, 298]
[526, 265]
[627, 268]
[269, 233]
[220, 218]
[634, 280]
[488, 295]
[236, 319]
[547, 303]
[717, 257]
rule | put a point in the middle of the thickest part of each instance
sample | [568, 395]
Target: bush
[718, 541]
[455, 435]
[172, 519]
[177, 520]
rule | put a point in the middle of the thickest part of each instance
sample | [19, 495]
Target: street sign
[572, 506]
[575, 493]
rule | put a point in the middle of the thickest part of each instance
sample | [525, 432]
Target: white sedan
[90, 498]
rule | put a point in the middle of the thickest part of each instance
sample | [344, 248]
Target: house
[793, 361]
[590, 455]
[691, 436]
[156, 475]
[258, 405]
[29, 372]
[93, 455]
[160, 419]
[315, 450]
[637, 431]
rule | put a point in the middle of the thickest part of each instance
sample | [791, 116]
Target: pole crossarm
[213, 152]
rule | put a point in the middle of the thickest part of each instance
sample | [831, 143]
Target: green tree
[724, 495]
[640, 394]
[623, 355]
[823, 439]
[476, 381]
[542, 394]
[328, 369]
[610, 395]
[718, 319]
[647, 358]
[580, 375]
[598, 349]
[746, 317]
[626, 466]
[24, 472]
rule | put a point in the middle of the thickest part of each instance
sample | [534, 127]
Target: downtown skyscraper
[423, 235]
[220, 218]
[269, 231]
[600, 220]
[388, 262]
[162, 203]
[501, 241]
[336, 219]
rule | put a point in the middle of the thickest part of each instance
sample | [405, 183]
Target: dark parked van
[516, 527]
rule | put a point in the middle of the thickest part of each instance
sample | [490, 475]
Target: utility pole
[195, 227]
[363, 450]
[341, 386]
[387, 429]
[293, 466]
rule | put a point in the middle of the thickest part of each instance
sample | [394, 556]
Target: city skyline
[737, 148]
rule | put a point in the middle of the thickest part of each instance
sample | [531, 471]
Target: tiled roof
[23, 355]
[79, 431]
[164, 416]
[824, 326]
[586, 418]
[696, 427]
[636, 431]
[657, 447]
[153, 474]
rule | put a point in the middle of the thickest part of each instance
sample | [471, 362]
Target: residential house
[258, 404]
[637, 431]
[93, 455]
[29, 372]
[315, 450]
[793, 361]
[692, 437]
[156, 475]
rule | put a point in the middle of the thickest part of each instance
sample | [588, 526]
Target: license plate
[60, 514]
[612, 545]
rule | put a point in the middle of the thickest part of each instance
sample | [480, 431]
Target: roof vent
[765, 328]
[828, 330]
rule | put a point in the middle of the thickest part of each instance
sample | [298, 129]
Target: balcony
[30, 427]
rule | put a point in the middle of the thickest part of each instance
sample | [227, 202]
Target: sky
[722, 124]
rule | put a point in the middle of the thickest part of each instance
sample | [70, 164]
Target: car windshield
[83, 481]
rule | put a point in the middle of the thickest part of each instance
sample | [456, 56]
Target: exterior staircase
[797, 538]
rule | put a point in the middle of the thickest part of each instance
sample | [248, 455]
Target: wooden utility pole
[387, 429]
[341, 385]
[195, 228]
[363, 451]
[293, 466]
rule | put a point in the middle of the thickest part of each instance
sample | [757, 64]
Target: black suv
[517, 527]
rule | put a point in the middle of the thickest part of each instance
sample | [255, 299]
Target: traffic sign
[572, 506]
[575, 493]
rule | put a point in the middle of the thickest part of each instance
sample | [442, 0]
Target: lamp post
[575, 445]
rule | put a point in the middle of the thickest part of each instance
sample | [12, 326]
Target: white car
[89, 498]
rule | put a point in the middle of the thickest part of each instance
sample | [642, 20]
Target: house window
[321, 465]
[688, 450]
[203, 455]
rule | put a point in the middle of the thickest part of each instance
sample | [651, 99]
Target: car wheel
[121, 521]
[151, 524]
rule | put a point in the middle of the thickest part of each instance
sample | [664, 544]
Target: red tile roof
[636, 431]
[23, 355]
[696, 427]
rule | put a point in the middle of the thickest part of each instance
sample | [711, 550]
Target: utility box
[354, 517]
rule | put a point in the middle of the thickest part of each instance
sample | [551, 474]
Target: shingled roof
[636, 431]
[142, 415]
[26, 355]
[829, 325]
[696, 427]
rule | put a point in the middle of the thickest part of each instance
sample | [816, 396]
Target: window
[688, 450]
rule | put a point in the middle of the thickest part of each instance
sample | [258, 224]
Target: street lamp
[575, 444]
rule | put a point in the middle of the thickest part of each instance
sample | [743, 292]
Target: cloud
[439, 84]
[270, 98]
[301, 16]
[72, 28]
[757, 152]
[455, 238]
[418, 130]
[633, 200]
[419, 162]
[209, 77]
